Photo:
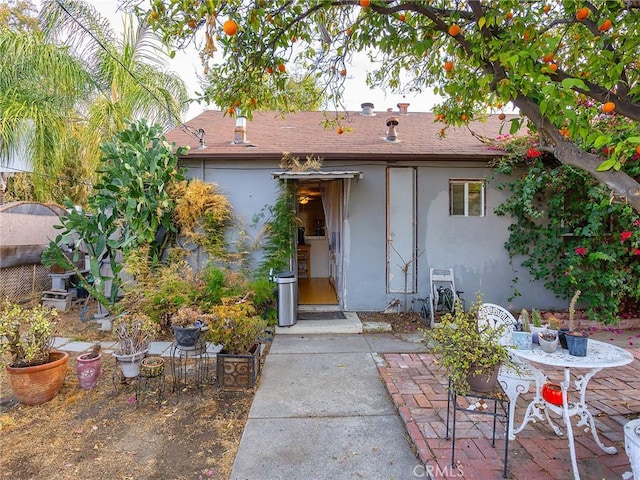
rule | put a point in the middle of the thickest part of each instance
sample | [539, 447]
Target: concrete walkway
[321, 412]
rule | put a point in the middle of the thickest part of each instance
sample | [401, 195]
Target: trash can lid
[287, 274]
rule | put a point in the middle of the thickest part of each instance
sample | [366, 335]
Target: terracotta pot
[40, 383]
[88, 370]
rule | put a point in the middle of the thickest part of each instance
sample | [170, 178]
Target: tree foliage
[563, 63]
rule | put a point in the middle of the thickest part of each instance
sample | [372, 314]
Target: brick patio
[419, 393]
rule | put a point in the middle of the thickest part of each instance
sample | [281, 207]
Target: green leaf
[606, 165]
[570, 83]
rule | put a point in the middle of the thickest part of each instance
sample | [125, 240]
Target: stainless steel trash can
[287, 299]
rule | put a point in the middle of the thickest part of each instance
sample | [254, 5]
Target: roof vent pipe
[240, 132]
[403, 107]
[367, 109]
[392, 123]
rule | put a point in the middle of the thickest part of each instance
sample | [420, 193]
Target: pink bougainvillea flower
[635, 251]
[582, 251]
[636, 223]
[533, 153]
[625, 236]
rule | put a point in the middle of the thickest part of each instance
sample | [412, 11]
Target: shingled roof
[269, 134]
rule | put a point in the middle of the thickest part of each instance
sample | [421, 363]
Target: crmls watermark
[436, 471]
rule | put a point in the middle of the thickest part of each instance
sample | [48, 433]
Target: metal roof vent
[392, 123]
[240, 132]
[367, 109]
[403, 108]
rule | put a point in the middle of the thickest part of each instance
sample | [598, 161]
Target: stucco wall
[473, 246]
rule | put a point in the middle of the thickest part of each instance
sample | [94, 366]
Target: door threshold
[319, 308]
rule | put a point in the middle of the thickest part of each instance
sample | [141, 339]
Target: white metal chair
[442, 292]
[514, 380]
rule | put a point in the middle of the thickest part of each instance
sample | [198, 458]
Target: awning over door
[317, 175]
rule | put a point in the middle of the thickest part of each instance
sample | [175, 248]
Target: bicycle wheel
[425, 310]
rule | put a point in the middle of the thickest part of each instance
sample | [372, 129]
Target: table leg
[586, 418]
[567, 421]
[537, 406]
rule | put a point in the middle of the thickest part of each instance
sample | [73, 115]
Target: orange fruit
[546, 9]
[553, 67]
[402, 17]
[343, 72]
[448, 66]
[365, 3]
[502, 116]
[527, 35]
[454, 30]
[282, 68]
[608, 107]
[638, 149]
[464, 117]
[192, 24]
[230, 27]
[576, 37]
[499, 105]
[269, 69]
[339, 131]
[294, 39]
[509, 16]
[231, 110]
[348, 31]
[606, 25]
[252, 101]
[583, 13]
[547, 58]
[236, 103]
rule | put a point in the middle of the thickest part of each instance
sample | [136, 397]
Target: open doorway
[315, 250]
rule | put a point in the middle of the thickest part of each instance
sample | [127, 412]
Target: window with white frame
[467, 197]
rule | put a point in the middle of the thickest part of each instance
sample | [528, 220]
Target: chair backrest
[441, 277]
[497, 317]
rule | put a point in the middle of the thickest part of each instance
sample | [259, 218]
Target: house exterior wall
[472, 246]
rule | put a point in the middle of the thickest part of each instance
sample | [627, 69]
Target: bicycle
[444, 301]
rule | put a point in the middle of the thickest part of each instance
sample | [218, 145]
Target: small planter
[522, 340]
[562, 337]
[552, 393]
[151, 367]
[238, 371]
[535, 332]
[88, 366]
[548, 341]
[187, 336]
[40, 383]
[130, 364]
[577, 343]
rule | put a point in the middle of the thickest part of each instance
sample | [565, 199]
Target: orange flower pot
[552, 393]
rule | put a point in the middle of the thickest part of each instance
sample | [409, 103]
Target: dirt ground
[104, 433]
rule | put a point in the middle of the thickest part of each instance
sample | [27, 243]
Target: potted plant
[236, 327]
[522, 337]
[88, 366]
[135, 331]
[536, 324]
[576, 339]
[36, 371]
[464, 350]
[187, 324]
[548, 340]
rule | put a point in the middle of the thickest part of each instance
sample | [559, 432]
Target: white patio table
[599, 355]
